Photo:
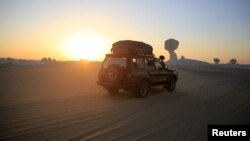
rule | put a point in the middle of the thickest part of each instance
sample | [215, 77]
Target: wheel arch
[175, 77]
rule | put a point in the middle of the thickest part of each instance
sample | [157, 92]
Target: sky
[206, 29]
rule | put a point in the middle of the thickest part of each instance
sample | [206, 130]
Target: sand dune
[63, 102]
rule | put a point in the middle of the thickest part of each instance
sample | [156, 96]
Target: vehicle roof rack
[134, 47]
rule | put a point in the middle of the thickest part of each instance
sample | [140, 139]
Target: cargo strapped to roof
[129, 46]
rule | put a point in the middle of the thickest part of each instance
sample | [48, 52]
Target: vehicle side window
[116, 61]
[150, 63]
[138, 63]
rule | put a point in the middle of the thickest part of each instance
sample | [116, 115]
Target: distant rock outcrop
[182, 58]
[171, 45]
[48, 60]
[216, 61]
[187, 62]
[233, 61]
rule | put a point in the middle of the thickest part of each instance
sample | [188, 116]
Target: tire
[115, 74]
[142, 89]
[112, 90]
[171, 84]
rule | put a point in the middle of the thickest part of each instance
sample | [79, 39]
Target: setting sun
[87, 46]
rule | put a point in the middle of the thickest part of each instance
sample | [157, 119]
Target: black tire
[115, 73]
[171, 84]
[142, 89]
[112, 90]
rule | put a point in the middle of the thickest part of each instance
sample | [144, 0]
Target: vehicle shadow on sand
[122, 94]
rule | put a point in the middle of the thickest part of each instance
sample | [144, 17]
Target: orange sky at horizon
[37, 49]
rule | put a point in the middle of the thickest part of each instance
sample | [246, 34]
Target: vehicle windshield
[121, 61]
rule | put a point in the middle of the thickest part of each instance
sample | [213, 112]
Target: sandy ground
[62, 102]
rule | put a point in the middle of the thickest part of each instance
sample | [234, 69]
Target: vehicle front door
[162, 72]
[152, 71]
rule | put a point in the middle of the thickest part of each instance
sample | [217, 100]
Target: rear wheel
[142, 89]
[171, 84]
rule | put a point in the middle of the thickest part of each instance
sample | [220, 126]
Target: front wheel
[142, 89]
[171, 84]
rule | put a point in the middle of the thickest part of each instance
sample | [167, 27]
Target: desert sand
[63, 102]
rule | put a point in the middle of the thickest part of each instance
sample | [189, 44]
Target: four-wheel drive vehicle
[132, 66]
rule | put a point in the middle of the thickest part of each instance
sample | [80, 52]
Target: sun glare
[88, 47]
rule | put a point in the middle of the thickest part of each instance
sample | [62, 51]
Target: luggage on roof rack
[129, 46]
